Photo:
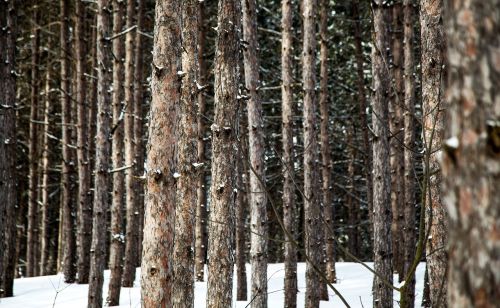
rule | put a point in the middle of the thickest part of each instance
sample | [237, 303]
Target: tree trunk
[241, 214]
[313, 236]
[84, 168]
[382, 294]
[187, 166]
[162, 172]
[289, 209]
[396, 108]
[8, 143]
[201, 209]
[257, 196]
[409, 157]
[471, 164]
[131, 244]
[224, 150]
[433, 48]
[102, 158]
[117, 157]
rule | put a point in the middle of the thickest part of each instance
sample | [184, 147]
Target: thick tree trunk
[102, 156]
[382, 294]
[132, 215]
[257, 196]
[433, 48]
[289, 210]
[201, 209]
[117, 157]
[162, 172]
[409, 157]
[8, 198]
[241, 214]
[396, 108]
[224, 150]
[471, 160]
[187, 167]
[312, 213]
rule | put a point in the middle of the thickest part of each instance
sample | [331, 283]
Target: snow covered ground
[355, 284]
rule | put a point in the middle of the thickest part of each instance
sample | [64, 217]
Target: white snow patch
[452, 142]
[177, 175]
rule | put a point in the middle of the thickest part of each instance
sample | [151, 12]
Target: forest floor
[354, 283]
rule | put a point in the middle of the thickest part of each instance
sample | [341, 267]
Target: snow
[354, 283]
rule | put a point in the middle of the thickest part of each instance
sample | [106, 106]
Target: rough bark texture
[84, 228]
[8, 198]
[396, 108]
[433, 48]
[201, 209]
[224, 150]
[312, 209]
[289, 210]
[471, 160]
[131, 244]
[326, 163]
[241, 214]
[187, 167]
[257, 196]
[117, 157]
[409, 157]
[162, 172]
[102, 159]
[382, 294]
[67, 187]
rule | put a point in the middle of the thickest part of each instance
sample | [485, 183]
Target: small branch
[121, 33]
[120, 168]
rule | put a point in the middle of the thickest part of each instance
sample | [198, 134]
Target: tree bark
[162, 172]
[289, 208]
[187, 167]
[257, 196]
[433, 76]
[8, 143]
[241, 214]
[382, 294]
[117, 157]
[224, 150]
[471, 164]
[102, 156]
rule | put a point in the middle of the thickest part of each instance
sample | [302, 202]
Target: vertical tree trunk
[313, 246]
[353, 207]
[396, 108]
[8, 198]
[471, 163]
[409, 158]
[433, 48]
[187, 166]
[84, 167]
[102, 156]
[257, 196]
[325, 145]
[289, 210]
[241, 212]
[224, 150]
[131, 243]
[162, 172]
[32, 239]
[382, 294]
[116, 245]
[201, 209]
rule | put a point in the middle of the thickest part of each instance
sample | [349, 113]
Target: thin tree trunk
[102, 158]
[224, 150]
[353, 214]
[117, 157]
[257, 197]
[84, 168]
[187, 167]
[8, 143]
[130, 185]
[433, 48]
[471, 164]
[326, 163]
[162, 172]
[201, 209]
[289, 210]
[382, 294]
[241, 214]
